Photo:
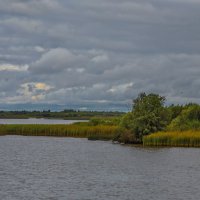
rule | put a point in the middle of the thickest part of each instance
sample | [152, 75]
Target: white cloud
[121, 88]
[39, 49]
[100, 58]
[33, 91]
[80, 70]
[10, 67]
[42, 86]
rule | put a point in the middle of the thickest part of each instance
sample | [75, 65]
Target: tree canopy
[148, 115]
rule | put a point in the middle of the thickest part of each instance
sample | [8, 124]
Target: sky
[99, 52]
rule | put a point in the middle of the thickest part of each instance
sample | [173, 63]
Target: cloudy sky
[99, 51]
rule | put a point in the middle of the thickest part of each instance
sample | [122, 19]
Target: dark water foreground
[41, 168]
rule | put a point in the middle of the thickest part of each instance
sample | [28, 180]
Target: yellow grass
[173, 138]
[81, 131]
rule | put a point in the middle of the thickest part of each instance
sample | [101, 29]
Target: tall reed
[173, 138]
[74, 130]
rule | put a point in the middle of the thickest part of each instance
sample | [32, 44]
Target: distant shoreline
[64, 115]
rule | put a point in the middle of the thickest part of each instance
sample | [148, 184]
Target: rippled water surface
[34, 168]
[38, 121]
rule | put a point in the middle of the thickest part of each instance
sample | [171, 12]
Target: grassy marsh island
[151, 123]
[102, 132]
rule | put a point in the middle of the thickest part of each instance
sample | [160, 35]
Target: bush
[125, 136]
[148, 116]
[109, 121]
[189, 119]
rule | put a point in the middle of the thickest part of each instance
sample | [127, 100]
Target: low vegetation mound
[74, 130]
[174, 138]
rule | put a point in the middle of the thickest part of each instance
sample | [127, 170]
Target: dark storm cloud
[65, 51]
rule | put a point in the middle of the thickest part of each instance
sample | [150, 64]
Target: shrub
[189, 119]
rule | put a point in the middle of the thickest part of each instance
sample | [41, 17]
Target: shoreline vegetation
[100, 132]
[149, 123]
[173, 138]
[68, 114]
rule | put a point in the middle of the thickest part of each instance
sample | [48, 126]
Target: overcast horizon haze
[70, 52]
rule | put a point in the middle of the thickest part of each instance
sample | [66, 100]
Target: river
[39, 121]
[41, 168]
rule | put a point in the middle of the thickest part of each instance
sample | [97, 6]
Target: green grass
[72, 130]
[173, 138]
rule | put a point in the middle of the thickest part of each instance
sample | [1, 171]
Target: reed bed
[173, 138]
[72, 130]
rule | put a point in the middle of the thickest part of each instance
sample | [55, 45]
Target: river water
[38, 121]
[47, 168]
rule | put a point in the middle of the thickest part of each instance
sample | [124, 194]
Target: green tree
[174, 110]
[149, 114]
[188, 119]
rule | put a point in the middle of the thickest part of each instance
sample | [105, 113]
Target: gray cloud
[56, 60]
[89, 51]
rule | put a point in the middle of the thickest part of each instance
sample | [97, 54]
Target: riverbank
[173, 138]
[101, 132]
[80, 130]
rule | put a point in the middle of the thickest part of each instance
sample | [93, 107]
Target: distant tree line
[65, 114]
